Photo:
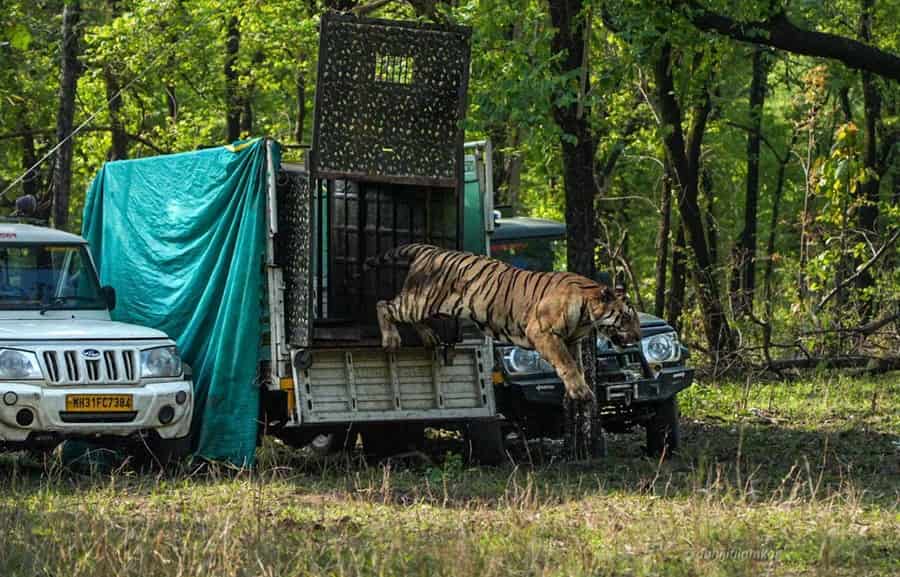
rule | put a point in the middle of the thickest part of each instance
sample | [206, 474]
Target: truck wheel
[663, 434]
[333, 442]
[388, 439]
[484, 442]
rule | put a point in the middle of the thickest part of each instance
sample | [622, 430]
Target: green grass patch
[776, 479]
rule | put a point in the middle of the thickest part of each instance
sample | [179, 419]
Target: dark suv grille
[618, 366]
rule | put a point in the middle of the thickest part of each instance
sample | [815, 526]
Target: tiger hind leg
[387, 322]
[429, 338]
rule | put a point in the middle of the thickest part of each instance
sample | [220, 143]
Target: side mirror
[109, 294]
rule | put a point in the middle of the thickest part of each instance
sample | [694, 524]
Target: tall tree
[68, 80]
[30, 181]
[572, 112]
[744, 276]
[867, 217]
[684, 156]
[119, 149]
[675, 302]
[233, 104]
[662, 244]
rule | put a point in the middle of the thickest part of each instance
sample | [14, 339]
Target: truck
[635, 386]
[69, 372]
[387, 166]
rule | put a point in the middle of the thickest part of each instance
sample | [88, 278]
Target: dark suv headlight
[519, 361]
[661, 348]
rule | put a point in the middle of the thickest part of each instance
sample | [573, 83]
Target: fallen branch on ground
[871, 364]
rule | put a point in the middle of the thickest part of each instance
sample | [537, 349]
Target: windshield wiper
[57, 301]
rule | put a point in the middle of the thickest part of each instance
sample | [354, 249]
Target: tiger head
[614, 316]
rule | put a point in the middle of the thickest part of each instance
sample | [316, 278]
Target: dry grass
[780, 480]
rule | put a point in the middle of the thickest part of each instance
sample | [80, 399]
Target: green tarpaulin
[182, 240]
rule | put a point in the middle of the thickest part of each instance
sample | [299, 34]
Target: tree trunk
[30, 184]
[514, 166]
[247, 117]
[679, 276]
[769, 269]
[300, 124]
[867, 217]
[233, 102]
[119, 148]
[709, 215]
[662, 245]
[846, 105]
[685, 160]
[68, 80]
[746, 253]
[171, 101]
[169, 84]
[569, 43]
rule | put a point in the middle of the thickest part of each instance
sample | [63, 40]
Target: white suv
[66, 369]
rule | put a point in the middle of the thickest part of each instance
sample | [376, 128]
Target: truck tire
[333, 442]
[484, 442]
[663, 433]
[384, 440]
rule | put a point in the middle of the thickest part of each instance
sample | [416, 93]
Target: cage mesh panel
[293, 248]
[390, 100]
[369, 219]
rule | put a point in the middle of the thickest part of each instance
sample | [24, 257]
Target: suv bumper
[49, 416]
[668, 383]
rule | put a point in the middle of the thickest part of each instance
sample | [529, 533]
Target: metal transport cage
[386, 168]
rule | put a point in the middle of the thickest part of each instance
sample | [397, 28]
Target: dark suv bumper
[667, 384]
[550, 390]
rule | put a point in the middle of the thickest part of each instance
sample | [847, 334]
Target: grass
[775, 479]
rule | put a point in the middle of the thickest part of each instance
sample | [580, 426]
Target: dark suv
[634, 386]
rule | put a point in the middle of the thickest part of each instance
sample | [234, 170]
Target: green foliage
[168, 57]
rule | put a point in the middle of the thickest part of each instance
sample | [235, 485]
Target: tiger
[549, 312]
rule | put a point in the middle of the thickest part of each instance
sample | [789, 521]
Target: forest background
[736, 163]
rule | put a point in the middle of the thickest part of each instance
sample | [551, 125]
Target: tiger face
[616, 318]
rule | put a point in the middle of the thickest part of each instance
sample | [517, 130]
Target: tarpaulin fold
[182, 240]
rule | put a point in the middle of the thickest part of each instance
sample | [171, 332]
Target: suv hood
[74, 330]
[652, 325]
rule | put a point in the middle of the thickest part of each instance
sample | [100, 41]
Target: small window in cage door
[394, 68]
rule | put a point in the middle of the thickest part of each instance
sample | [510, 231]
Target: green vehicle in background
[635, 386]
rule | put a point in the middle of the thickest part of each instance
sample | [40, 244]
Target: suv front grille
[618, 366]
[110, 366]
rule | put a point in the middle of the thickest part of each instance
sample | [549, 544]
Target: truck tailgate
[344, 385]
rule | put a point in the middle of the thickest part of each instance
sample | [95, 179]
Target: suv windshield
[41, 276]
[541, 254]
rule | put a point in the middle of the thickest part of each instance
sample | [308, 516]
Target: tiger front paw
[391, 342]
[580, 392]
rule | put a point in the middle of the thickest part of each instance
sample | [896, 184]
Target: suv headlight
[18, 365]
[160, 362]
[661, 348]
[517, 360]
